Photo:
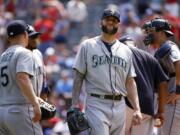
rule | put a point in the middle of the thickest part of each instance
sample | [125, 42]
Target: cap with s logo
[111, 12]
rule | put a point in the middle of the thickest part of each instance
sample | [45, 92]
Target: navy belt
[110, 97]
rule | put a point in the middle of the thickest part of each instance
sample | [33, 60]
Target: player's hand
[40, 99]
[172, 98]
[159, 119]
[137, 117]
[37, 112]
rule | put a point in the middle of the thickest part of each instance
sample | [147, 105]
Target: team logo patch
[103, 60]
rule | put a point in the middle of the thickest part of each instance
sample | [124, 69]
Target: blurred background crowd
[65, 24]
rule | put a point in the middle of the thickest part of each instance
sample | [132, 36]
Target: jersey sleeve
[175, 53]
[25, 62]
[131, 71]
[80, 63]
[37, 53]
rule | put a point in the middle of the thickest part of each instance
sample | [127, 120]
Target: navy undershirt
[108, 45]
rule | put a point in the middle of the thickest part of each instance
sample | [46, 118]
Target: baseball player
[39, 78]
[168, 54]
[106, 66]
[150, 76]
[19, 108]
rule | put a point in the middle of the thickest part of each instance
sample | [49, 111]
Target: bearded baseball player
[106, 66]
[19, 108]
[40, 77]
[168, 54]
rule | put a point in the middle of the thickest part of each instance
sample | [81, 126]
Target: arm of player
[45, 91]
[173, 97]
[77, 84]
[134, 100]
[162, 95]
[27, 90]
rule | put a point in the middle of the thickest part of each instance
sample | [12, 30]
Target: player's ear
[25, 34]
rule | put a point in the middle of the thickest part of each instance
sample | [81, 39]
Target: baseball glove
[47, 110]
[77, 121]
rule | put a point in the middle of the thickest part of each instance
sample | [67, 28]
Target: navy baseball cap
[16, 27]
[111, 12]
[32, 32]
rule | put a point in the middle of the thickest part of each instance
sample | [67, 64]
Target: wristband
[177, 89]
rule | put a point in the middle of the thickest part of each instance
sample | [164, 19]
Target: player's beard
[33, 44]
[108, 31]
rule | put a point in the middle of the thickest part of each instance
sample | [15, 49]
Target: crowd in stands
[64, 25]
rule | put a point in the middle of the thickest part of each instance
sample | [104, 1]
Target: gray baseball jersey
[39, 71]
[15, 111]
[104, 73]
[172, 112]
[13, 60]
[175, 56]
